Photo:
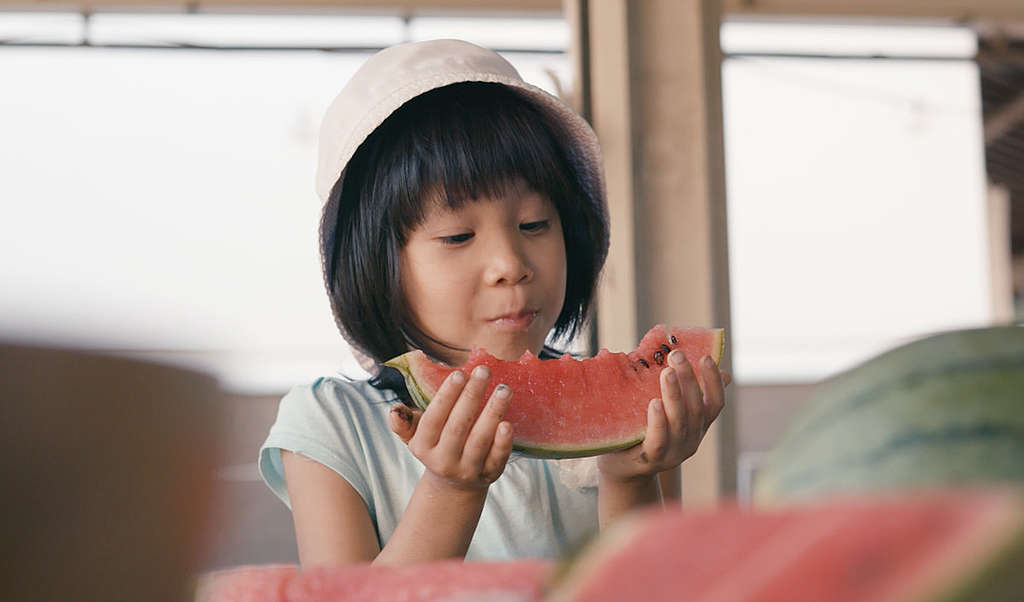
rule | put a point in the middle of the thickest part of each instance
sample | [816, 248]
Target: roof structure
[1001, 62]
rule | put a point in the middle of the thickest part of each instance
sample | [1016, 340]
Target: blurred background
[158, 203]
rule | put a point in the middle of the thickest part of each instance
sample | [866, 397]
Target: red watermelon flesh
[953, 545]
[566, 408]
[448, 580]
[255, 583]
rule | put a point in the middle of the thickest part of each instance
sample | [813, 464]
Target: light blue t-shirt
[529, 512]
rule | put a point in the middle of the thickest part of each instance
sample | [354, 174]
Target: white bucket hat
[397, 74]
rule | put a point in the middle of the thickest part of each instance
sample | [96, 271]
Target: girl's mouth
[515, 322]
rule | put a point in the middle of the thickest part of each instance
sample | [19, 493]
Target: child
[463, 208]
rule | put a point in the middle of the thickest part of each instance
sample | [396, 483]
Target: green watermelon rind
[555, 453]
[846, 439]
[997, 576]
[421, 398]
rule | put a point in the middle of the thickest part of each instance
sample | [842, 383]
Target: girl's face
[490, 274]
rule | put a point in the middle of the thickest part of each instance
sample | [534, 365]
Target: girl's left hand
[676, 423]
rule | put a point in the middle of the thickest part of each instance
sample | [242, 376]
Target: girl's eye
[456, 239]
[534, 226]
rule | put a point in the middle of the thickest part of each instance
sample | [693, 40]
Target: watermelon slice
[451, 580]
[953, 545]
[568, 408]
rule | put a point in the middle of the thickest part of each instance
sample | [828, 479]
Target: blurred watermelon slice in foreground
[445, 580]
[567, 408]
[951, 546]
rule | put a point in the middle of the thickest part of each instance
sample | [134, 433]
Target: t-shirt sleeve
[315, 421]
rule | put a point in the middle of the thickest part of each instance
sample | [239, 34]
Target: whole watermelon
[947, 410]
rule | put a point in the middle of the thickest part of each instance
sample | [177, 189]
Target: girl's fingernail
[676, 357]
[708, 361]
[481, 371]
[656, 404]
[502, 391]
[671, 375]
[402, 412]
[504, 428]
[457, 377]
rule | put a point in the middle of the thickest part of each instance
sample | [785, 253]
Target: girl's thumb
[403, 421]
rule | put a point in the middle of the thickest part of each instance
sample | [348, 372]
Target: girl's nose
[507, 264]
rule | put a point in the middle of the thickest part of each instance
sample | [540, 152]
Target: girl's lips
[516, 322]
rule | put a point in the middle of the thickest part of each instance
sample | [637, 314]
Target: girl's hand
[676, 423]
[462, 449]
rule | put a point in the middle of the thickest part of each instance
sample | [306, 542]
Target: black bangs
[461, 143]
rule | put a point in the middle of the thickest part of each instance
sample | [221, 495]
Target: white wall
[856, 196]
[161, 202]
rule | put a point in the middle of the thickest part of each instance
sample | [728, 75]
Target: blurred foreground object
[943, 411]
[108, 478]
[950, 546]
[445, 580]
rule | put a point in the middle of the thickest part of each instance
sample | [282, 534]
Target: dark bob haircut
[455, 144]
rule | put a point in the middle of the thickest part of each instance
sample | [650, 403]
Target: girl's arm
[332, 525]
[463, 454]
[676, 423]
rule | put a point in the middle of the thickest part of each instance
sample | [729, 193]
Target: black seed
[644, 363]
[666, 349]
[674, 340]
[659, 357]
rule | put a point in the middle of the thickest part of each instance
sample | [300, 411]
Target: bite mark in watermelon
[566, 408]
[949, 545]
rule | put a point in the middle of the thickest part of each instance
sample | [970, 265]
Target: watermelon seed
[666, 348]
[644, 363]
[659, 357]
[674, 340]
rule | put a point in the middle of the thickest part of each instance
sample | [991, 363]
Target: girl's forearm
[616, 497]
[438, 523]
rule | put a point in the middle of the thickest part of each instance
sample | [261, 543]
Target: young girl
[463, 208]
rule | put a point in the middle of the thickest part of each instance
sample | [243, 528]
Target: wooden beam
[1001, 10]
[960, 10]
[1004, 119]
[1000, 254]
[656, 106]
[611, 114]
[298, 6]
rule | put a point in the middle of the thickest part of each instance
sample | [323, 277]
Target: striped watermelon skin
[947, 410]
[952, 546]
[567, 408]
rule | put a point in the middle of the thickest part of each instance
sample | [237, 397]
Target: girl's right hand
[462, 449]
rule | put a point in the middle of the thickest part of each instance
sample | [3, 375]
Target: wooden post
[655, 102]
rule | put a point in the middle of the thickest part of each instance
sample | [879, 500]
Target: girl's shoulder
[337, 398]
[346, 389]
